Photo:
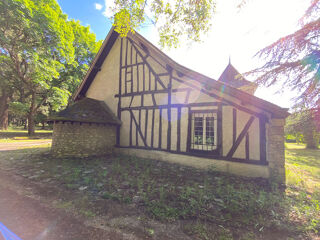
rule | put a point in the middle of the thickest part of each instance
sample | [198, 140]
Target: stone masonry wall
[81, 140]
[275, 150]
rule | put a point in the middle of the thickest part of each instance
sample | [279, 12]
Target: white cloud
[108, 12]
[241, 35]
[98, 6]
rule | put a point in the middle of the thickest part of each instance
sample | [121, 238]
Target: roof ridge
[229, 90]
[87, 110]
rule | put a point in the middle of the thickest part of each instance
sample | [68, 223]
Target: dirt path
[22, 144]
[31, 218]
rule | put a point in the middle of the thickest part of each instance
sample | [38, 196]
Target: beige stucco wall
[227, 129]
[106, 83]
[219, 93]
[241, 169]
[254, 140]
[105, 87]
[254, 133]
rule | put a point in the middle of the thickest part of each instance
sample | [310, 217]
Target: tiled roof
[232, 77]
[87, 110]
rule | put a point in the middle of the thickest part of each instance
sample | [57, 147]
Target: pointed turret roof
[232, 77]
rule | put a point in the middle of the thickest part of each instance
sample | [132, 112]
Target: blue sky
[85, 11]
[235, 33]
[91, 12]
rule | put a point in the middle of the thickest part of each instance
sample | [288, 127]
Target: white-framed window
[203, 131]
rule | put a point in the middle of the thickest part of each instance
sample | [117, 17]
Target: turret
[232, 77]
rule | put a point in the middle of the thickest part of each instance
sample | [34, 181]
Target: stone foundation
[275, 150]
[82, 139]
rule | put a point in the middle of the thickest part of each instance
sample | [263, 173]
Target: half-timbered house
[172, 113]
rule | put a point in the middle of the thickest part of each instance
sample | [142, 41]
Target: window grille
[204, 127]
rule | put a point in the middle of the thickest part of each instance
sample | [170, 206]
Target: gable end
[96, 64]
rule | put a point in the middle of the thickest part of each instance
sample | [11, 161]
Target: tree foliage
[35, 41]
[44, 56]
[42, 53]
[85, 48]
[174, 20]
[306, 122]
[294, 60]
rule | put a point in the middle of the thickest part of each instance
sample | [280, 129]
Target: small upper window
[203, 129]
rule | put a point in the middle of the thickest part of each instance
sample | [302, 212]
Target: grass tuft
[217, 204]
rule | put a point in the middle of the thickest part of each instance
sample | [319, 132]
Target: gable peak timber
[150, 50]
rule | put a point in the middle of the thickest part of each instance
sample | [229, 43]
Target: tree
[4, 107]
[7, 81]
[85, 49]
[18, 111]
[174, 20]
[35, 41]
[5, 94]
[294, 60]
[305, 122]
[43, 56]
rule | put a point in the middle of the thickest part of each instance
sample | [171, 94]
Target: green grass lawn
[23, 139]
[204, 204]
[303, 167]
[18, 134]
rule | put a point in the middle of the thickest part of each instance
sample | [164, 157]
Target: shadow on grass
[24, 134]
[307, 157]
[24, 153]
[170, 192]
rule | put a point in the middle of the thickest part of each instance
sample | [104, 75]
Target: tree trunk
[310, 139]
[4, 110]
[31, 125]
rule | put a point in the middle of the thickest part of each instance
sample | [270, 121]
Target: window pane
[203, 127]
[210, 131]
[198, 130]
